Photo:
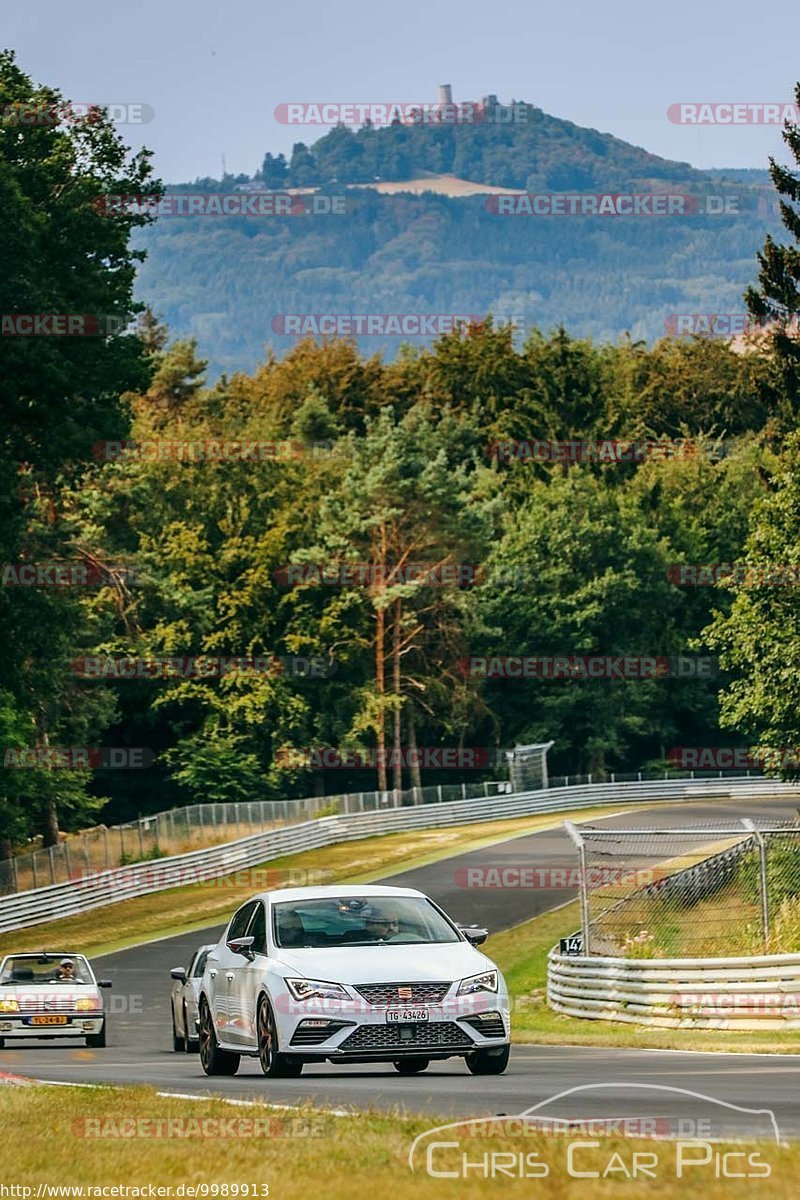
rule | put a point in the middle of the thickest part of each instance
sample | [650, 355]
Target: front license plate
[407, 1014]
[48, 1020]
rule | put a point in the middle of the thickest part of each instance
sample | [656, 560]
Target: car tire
[274, 1064]
[178, 1043]
[2, 1043]
[488, 1062]
[411, 1066]
[97, 1040]
[191, 1045]
[213, 1060]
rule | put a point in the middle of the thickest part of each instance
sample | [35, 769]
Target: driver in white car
[379, 926]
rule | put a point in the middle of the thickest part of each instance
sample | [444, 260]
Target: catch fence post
[762, 878]
[578, 841]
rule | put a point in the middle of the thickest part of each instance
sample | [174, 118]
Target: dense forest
[204, 512]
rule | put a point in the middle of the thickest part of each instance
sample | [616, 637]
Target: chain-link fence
[703, 891]
[198, 825]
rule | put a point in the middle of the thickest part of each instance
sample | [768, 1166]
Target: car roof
[334, 891]
[51, 955]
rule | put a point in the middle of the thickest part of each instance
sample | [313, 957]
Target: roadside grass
[521, 953]
[304, 1152]
[195, 906]
[726, 925]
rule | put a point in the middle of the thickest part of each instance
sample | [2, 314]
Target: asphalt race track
[140, 1038]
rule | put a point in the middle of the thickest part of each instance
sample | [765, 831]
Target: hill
[405, 223]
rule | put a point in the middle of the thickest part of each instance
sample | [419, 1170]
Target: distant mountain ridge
[228, 281]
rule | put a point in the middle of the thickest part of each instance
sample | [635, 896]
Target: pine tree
[777, 298]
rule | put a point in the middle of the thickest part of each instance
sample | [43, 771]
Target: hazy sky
[214, 73]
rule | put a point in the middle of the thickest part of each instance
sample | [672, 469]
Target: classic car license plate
[408, 1014]
[48, 1020]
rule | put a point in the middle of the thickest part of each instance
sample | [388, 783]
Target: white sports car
[351, 975]
[183, 1000]
[51, 996]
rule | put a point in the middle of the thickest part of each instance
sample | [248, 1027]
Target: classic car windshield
[360, 921]
[30, 969]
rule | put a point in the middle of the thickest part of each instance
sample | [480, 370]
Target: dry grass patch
[345, 1158]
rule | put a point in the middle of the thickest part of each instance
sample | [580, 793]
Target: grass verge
[70, 1136]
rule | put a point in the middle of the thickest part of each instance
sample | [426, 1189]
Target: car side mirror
[243, 946]
[104, 983]
[179, 973]
[474, 934]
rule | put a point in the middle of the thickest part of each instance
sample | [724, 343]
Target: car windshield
[31, 969]
[360, 921]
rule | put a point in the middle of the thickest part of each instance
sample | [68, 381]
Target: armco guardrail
[712, 993]
[92, 890]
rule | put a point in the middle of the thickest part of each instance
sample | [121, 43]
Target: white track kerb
[93, 890]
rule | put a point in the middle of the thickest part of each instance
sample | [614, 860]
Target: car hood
[385, 963]
[40, 993]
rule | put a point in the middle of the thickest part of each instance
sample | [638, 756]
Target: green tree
[65, 251]
[759, 639]
[776, 300]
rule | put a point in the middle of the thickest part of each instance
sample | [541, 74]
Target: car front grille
[430, 1035]
[489, 1024]
[34, 1008]
[387, 995]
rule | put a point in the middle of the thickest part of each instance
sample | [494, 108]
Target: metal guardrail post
[762, 878]
[576, 838]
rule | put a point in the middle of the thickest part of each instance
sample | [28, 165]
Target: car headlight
[316, 989]
[485, 982]
[87, 1004]
[9, 1005]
